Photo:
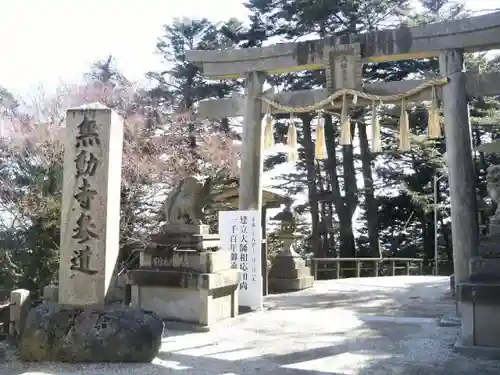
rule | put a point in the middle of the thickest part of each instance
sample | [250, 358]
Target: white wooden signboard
[241, 234]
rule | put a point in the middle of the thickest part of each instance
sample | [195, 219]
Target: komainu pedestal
[289, 271]
[182, 275]
[480, 296]
[181, 279]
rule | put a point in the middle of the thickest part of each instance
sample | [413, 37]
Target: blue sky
[44, 42]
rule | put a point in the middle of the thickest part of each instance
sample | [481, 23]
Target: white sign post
[241, 234]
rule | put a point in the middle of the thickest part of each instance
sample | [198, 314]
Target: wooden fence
[359, 265]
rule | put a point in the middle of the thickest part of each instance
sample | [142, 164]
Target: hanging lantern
[404, 129]
[268, 131]
[434, 127]
[345, 124]
[376, 140]
[320, 149]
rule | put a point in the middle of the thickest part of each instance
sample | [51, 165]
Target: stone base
[50, 293]
[290, 285]
[199, 262]
[185, 237]
[480, 315]
[450, 320]
[175, 229]
[484, 269]
[201, 299]
[488, 246]
[289, 273]
[476, 351]
[90, 334]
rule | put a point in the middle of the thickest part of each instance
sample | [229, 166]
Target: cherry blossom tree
[156, 156]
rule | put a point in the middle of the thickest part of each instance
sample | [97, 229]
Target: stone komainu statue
[493, 186]
[185, 204]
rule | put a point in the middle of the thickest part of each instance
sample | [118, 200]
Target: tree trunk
[370, 203]
[311, 183]
[427, 224]
[445, 232]
[343, 206]
[328, 212]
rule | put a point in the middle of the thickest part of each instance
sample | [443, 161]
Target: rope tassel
[292, 141]
[434, 127]
[376, 142]
[345, 124]
[320, 150]
[404, 129]
[268, 132]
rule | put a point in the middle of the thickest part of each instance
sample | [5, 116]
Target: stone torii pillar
[464, 226]
[250, 187]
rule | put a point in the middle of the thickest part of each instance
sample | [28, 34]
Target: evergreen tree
[181, 84]
[337, 196]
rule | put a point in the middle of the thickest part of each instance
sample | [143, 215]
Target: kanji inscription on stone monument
[85, 194]
[91, 204]
[81, 261]
[87, 133]
[86, 166]
[86, 163]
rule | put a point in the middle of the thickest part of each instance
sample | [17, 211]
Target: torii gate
[447, 40]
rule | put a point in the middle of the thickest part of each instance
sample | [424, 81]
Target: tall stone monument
[84, 326]
[90, 217]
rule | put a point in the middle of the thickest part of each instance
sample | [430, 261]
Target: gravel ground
[368, 326]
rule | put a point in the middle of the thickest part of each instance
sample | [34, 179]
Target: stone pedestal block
[484, 269]
[187, 286]
[289, 273]
[201, 262]
[201, 299]
[184, 237]
[480, 310]
[50, 293]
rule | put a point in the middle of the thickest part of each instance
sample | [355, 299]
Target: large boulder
[89, 334]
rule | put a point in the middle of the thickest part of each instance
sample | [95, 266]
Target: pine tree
[293, 19]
